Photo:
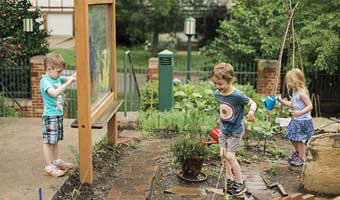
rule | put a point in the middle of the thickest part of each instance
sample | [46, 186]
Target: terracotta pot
[191, 167]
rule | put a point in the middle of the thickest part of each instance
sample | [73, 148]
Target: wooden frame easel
[104, 112]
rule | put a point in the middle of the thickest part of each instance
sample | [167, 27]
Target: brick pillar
[153, 69]
[266, 76]
[37, 70]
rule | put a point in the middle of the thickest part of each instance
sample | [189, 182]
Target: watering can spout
[269, 102]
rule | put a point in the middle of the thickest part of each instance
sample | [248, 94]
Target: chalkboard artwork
[100, 53]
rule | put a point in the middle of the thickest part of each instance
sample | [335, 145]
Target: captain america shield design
[227, 111]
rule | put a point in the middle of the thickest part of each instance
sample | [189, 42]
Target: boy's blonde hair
[224, 71]
[54, 60]
[295, 80]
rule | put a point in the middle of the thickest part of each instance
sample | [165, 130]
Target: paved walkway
[22, 163]
[142, 165]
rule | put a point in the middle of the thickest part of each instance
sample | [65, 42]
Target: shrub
[188, 146]
[30, 44]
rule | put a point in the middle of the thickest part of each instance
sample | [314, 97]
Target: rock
[321, 171]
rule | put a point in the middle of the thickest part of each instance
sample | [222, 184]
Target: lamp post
[189, 30]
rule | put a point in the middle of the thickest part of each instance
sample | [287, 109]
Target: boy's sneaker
[230, 184]
[62, 164]
[238, 189]
[54, 171]
[293, 156]
[297, 162]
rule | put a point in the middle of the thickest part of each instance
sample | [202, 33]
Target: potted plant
[190, 154]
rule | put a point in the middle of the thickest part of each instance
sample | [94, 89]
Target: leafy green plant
[275, 152]
[188, 146]
[176, 122]
[149, 96]
[261, 130]
[72, 195]
[256, 27]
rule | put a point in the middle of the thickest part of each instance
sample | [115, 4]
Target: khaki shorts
[230, 142]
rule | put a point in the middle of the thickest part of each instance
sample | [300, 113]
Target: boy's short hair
[54, 60]
[224, 71]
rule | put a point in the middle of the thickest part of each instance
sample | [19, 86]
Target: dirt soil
[106, 164]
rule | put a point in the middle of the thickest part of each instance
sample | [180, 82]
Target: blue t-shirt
[231, 111]
[52, 106]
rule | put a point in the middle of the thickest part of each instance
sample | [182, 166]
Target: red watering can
[214, 134]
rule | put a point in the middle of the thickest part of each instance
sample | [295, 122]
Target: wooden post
[89, 114]
[83, 92]
[112, 132]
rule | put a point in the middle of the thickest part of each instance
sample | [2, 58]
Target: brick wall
[153, 69]
[37, 70]
[266, 76]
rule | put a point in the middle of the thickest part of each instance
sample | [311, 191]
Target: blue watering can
[269, 102]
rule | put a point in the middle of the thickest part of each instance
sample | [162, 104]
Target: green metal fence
[15, 83]
[16, 79]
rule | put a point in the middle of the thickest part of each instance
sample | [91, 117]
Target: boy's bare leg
[223, 155]
[236, 169]
[55, 152]
[47, 151]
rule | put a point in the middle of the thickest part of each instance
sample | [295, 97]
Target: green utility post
[165, 76]
[189, 64]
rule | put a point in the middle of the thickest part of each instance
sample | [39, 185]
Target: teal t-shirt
[52, 106]
[231, 111]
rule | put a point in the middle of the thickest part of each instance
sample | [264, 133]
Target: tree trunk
[155, 43]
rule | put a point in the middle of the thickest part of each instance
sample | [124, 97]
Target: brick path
[138, 172]
[255, 183]
[141, 166]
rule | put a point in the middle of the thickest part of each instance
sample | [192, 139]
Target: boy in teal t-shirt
[52, 87]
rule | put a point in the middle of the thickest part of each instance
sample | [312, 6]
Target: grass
[140, 59]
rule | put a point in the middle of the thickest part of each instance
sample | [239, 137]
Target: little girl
[300, 129]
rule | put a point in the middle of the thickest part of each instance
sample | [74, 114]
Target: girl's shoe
[293, 155]
[297, 162]
[62, 164]
[54, 171]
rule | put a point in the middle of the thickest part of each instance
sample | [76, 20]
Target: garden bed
[106, 164]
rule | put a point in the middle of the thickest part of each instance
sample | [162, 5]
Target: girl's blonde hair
[224, 71]
[295, 80]
[54, 60]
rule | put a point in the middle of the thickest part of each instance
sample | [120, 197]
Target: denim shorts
[230, 142]
[52, 129]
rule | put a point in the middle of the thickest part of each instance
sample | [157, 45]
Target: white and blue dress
[300, 128]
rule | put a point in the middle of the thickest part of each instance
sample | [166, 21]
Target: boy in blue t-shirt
[52, 87]
[232, 102]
